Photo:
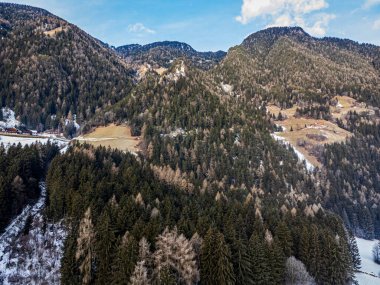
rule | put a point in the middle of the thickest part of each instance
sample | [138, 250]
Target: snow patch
[9, 119]
[227, 88]
[76, 125]
[369, 269]
[36, 256]
[8, 141]
[301, 157]
[176, 133]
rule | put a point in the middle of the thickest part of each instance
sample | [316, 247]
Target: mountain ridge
[165, 52]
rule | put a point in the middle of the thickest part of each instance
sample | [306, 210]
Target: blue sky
[214, 24]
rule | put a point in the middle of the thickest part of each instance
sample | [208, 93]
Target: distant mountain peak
[282, 31]
[270, 35]
[166, 52]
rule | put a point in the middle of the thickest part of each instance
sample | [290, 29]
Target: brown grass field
[347, 104]
[304, 128]
[55, 31]
[113, 136]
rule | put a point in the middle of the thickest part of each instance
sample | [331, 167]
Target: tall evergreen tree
[313, 262]
[242, 262]
[124, 262]
[216, 266]
[105, 243]
[284, 237]
[354, 250]
[276, 260]
[259, 260]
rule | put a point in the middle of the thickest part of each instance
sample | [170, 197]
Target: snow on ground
[176, 133]
[9, 119]
[33, 258]
[10, 140]
[369, 268]
[301, 157]
[76, 125]
[227, 88]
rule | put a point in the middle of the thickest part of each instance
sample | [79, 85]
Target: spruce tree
[242, 262]
[313, 262]
[284, 237]
[304, 246]
[276, 261]
[216, 266]
[354, 250]
[125, 259]
[105, 243]
[259, 260]
[69, 267]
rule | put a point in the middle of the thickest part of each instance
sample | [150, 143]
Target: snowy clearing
[35, 256]
[301, 157]
[10, 140]
[369, 268]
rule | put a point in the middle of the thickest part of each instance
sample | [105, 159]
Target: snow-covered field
[33, 258]
[9, 121]
[369, 268]
[301, 157]
[10, 140]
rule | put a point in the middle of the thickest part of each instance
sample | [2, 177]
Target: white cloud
[283, 20]
[371, 3]
[254, 8]
[288, 13]
[139, 28]
[319, 28]
[376, 25]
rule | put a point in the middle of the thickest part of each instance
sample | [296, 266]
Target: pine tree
[354, 250]
[284, 237]
[304, 245]
[242, 262]
[216, 266]
[69, 269]
[334, 265]
[259, 260]
[125, 259]
[105, 242]
[313, 262]
[277, 262]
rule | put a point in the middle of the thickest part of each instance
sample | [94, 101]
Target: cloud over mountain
[288, 13]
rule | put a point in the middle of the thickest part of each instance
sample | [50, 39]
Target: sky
[214, 24]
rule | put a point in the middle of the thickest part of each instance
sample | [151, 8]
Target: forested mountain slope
[128, 225]
[290, 69]
[163, 54]
[287, 65]
[50, 69]
[212, 197]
